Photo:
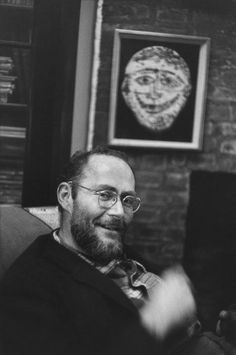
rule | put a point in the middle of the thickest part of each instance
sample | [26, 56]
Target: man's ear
[64, 196]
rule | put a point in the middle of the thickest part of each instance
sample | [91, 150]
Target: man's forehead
[101, 164]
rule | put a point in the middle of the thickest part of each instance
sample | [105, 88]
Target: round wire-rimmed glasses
[108, 198]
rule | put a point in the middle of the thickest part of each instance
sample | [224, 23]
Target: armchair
[19, 227]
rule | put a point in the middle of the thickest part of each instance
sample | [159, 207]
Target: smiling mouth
[110, 228]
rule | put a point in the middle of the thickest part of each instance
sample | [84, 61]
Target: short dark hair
[78, 161]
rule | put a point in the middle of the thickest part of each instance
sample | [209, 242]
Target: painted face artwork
[156, 86]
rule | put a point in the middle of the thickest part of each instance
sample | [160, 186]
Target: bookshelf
[16, 27]
[38, 51]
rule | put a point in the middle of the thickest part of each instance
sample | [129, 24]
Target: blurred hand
[171, 304]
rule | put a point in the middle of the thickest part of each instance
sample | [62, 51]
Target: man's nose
[117, 209]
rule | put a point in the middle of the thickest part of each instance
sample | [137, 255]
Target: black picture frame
[187, 130]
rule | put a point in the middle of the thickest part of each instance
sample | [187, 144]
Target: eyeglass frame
[115, 194]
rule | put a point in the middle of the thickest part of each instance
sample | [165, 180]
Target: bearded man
[75, 291]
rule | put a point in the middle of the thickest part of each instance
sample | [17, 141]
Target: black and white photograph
[117, 177]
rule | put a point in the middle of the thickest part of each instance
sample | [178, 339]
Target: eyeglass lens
[108, 199]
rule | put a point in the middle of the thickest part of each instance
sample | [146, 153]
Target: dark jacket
[53, 302]
[207, 343]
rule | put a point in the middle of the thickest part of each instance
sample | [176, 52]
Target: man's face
[156, 89]
[97, 231]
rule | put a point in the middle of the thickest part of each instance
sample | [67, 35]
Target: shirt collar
[105, 269]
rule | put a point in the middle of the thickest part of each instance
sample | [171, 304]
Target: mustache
[113, 224]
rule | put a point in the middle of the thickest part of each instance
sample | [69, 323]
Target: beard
[87, 238]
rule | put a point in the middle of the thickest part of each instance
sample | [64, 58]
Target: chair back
[18, 229]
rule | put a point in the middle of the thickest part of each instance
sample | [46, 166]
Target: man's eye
[128, 200]
[106, 195]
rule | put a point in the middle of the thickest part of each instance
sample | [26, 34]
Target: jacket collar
[85, 273]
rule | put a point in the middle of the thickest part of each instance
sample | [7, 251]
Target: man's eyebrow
[105, 187]
[129, 193]
[112, 188]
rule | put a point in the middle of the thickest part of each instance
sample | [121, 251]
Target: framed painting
[158, 90]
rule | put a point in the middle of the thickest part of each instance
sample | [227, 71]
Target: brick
[218, 110]
[225, 163]
[150, 215]
[177, 160]
[226, 129]
[223, 57]
[220, 91]
[176, 217]
[209, 127]
[173, 251]
[171, 16]
[180, 198]
[163, 255]
[153, 197]
[203, 161]
[173, 233]
[151, 162]
[123, 12]
[146, 233]
[211, 144]
[176, 180]
[149, 179]
[228, 147]
[226, 78]
[232, 110]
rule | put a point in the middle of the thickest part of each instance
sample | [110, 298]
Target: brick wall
[163, 175]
